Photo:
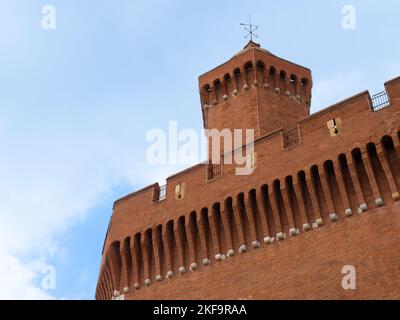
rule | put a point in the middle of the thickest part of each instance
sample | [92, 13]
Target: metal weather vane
[250, 28]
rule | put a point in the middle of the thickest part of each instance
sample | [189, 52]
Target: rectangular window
[334, 126]
[179, 191]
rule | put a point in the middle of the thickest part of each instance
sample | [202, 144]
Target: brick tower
[255, 90]
[324, 194]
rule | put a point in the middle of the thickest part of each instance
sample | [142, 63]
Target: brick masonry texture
[324, 194]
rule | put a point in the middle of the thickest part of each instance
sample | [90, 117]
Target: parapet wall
[301, 187]
[304, 267]
[255, 90]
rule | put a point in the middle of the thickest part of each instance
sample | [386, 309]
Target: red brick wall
[303, 266]
[306, 267]
[255, 99]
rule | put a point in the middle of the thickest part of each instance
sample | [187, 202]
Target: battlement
[255, 67]
[255, 89]
[281, 138]
[339, 162]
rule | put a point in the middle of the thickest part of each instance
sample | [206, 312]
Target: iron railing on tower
[380, 101]
[163, 193]
[214, 171]
[291, 137]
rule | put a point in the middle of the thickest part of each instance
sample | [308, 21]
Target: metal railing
[292, 137]
[380, 101]
[214, 171]
[163, 193]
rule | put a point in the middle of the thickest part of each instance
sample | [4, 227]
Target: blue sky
[76, 104]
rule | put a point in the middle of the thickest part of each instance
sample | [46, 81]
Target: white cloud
[17, 279]
[44, 191]
[52, 173]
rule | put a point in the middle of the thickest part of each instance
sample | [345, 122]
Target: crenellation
[371, 176]
[327, 191]
[287, 208]
[248, 215]
[301, 205]
[125, 266]
[342, 187]
[261, 211]
[392, 87]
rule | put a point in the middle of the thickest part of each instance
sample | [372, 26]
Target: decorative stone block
[364, 207]
[280, 236]
[182, 270]
[255, 83]
[306, 227]
[315, 225]
[126, 290]
[348, 212]
[277, 90]
[255, 244]
[218, 257]
[294, 232]
[136, 286]
[334, 217]
[159, 277]
[147, 282]
[319, 222]
[116, 293]
[243, 248]
[193, 266]
[288, 93]
[235, 92]
[396, 196]
[245, 87]
[230, 253]
[206, 261]
[269, 240]
[170, 274]
[225, 97]
[379, 202]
